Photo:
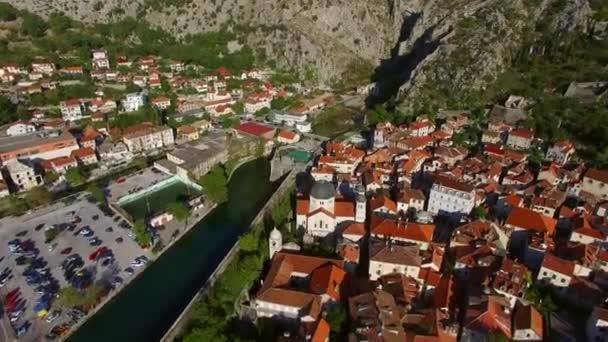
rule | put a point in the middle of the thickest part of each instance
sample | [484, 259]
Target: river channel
[146, 308]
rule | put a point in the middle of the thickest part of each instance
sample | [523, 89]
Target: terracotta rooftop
[529, 220]
[558, 265]
[404, 230]
[598, 175]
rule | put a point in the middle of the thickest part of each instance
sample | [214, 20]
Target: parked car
[21, 233]
[53, 316]
[66, 251]
[23, 328]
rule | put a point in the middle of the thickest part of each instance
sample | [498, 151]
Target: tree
[229, 121]
[142, 235]
[97, 194]
[50, 234]
[74, 176]
[33, 25]
[281, 211]
[249, 242]
[215, 184]
[179, 211]
[238, 108]
[69, 297]
[479, 212]
[336, 318]
[38, 196]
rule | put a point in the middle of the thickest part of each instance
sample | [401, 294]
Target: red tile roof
[327, 279]
[354, 228]
[383, 202]
[491, 316]
[403, 230]
[599, 175]
[344, 209]
[530, 220]
[83, 152]
[302, 206]
[522, 133]
[287, 135]
[321, 332]
[558, 265]
[254, 128]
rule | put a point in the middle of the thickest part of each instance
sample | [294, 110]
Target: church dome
[275, 234]
[322, 190]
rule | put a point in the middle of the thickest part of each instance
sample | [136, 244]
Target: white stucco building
[320, 214]
[133, 102]
[23, 176]
[450, 196]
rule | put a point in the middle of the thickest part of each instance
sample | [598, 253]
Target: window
[545, 273]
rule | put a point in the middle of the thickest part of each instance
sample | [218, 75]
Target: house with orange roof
[421, 128]
[485, 316]
[187, 132]
[287, 137]
[321, 333]
[342, 157]
[71, 110]
[161, 102]
[560, 152]
[397, 230]
[523, 219]
[596, 182]
[382, 132]
[354, 232]
[410, 198]
[527, 324]
[382, 205]
[510, 280]
[387, 258]
[59, 165]
[85, 156]
[324, 172]
[298, 286]
[556, 271]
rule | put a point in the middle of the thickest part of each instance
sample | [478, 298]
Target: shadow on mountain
[394, 72]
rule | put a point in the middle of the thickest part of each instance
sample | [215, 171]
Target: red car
[100, 251]
[11, 295]
[66, 251]
[121, 180]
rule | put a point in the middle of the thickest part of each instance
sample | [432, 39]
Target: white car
[53, 316]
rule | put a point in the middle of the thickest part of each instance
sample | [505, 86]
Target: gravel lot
[59, 215]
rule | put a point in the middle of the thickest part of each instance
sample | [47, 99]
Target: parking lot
[81, 228]
[134, 183]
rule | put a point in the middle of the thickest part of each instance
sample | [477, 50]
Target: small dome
[275, 234]
[322, 190]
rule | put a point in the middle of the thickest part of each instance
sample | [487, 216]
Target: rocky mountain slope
[416, 46]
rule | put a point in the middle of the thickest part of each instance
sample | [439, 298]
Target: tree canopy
[215, 184]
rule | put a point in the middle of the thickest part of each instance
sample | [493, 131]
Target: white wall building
[71, 110]
[289, 119]
[560, 152]
[451, 196]
[20, 128]
[23, 176]
[556, 271]
[133, 102]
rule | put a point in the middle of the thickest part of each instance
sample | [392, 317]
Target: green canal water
[158, 201]
[146, 308]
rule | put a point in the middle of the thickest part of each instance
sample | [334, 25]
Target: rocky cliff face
[415, 44]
